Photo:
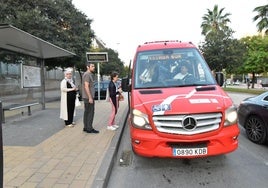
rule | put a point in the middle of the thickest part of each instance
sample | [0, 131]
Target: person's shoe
[70, 125]
[73, 123]
[116, 126]
[84, 130]
[111, 128]
[93, 131]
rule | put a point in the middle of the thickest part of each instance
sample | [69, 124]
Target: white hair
[68, 70]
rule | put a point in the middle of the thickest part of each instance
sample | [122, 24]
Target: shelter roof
[16, 40]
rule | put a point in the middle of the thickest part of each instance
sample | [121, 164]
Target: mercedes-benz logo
[189, 123]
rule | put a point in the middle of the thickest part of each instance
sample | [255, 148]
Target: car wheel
[255, 130]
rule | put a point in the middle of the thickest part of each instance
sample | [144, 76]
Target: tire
[256, 130]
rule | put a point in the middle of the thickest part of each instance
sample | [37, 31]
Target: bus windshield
[171, 68]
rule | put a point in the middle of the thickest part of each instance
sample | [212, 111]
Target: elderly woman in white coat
[68, 96]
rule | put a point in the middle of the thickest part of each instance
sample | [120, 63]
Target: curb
[103, 175]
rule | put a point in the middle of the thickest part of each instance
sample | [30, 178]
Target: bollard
[1, 147]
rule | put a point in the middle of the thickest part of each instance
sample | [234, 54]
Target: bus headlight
[140, 120]
[230, 116]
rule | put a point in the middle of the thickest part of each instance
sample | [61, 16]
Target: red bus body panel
[155, 144]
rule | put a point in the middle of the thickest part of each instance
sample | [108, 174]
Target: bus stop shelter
[18, 41]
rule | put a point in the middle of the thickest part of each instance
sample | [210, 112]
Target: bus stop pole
[1, 146]
[98, 81]
[43, 90]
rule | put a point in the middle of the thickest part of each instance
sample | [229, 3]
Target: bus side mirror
[125, 84]
[219, 78]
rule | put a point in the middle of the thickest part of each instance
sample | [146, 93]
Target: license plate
[190, 151]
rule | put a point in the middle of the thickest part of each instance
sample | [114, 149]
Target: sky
[124, 24]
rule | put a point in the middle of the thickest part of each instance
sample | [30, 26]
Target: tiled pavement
[68, 158]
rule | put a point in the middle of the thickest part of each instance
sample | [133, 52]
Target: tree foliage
[60, 23]
[262, 18]
[256, 60]
[214, 21]
[220, 50]
[56, 21]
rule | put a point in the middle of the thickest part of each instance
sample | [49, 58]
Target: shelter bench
[18, 106]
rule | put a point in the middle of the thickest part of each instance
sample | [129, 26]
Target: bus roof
[164, 45]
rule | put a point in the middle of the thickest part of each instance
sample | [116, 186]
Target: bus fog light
[235, 137]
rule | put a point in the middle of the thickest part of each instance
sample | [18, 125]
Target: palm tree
[262, 18]
[215, 21]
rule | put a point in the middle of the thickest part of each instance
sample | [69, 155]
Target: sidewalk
[68, 157]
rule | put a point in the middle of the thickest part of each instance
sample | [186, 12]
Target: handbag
[77, 101]
[121, 97]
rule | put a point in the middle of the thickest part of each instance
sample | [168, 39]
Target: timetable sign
[97, 57]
